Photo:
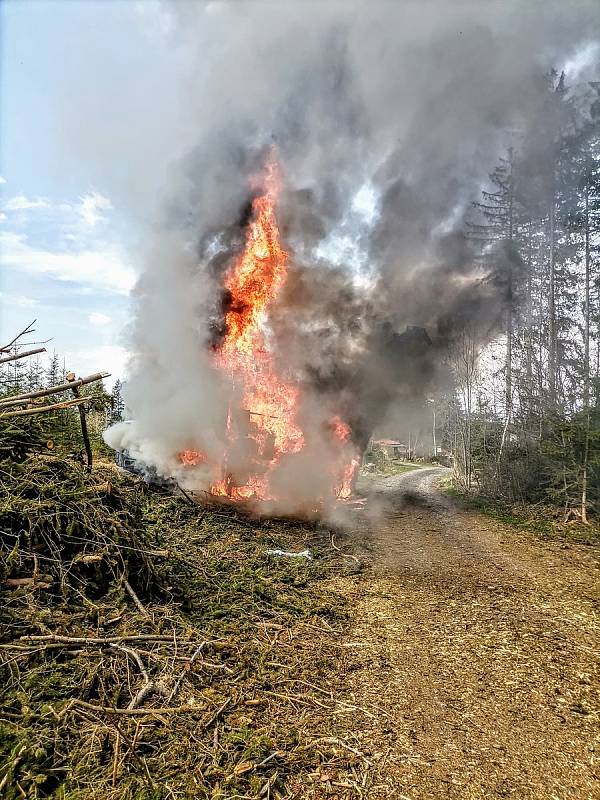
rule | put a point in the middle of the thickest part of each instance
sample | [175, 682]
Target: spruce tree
[118, 404]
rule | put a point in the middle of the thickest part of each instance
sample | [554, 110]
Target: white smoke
[404, 106]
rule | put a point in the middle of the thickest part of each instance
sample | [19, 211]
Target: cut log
[39, 582]
[24, 354]
[25, 412]
[26, 397]
[82, 420]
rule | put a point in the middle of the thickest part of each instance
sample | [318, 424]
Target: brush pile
[66, 532]
[145, 642]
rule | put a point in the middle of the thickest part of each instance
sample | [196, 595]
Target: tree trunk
[529, 324]
[82, 420]
[552, 344]
[509, 311]
[586, 362]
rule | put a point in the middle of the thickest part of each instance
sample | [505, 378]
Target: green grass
[395, 468]
[542, 521]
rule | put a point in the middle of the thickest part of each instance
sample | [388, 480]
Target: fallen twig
[139, 605]
[136, 657]
[334, 740]
[186, 668]
[149, 686]
[345, 555]
[217, 714]
[186, 495]
[54, 637]
[134, 711]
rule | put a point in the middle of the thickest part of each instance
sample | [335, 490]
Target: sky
[97, 102]
[69, 199]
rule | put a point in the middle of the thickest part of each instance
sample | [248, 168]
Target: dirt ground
[422, 653]
[472, 657]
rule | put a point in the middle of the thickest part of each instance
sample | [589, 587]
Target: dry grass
[187, 663]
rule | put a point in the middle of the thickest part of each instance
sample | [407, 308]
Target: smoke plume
[385, 119]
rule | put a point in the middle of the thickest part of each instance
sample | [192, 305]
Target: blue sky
[78, 89]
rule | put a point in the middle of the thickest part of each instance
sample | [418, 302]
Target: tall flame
[254, 282]
[262, 417]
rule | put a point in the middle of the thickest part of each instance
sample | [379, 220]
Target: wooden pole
[17, 356]
[26, 397]
[82, 419]
[26, 412]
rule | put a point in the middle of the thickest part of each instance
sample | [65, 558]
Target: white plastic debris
[302, 554]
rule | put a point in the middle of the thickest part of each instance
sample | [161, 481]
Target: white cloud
[21, 203]
[110, 357]
[103, 267]
[2, 216]
[92, 204]
[2, 180]
[96, 318]
[19, 300]
[89, 210]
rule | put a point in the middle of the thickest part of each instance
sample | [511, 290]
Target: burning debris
[311, 272]
[268, 441]
[263, 429]
[299, 365]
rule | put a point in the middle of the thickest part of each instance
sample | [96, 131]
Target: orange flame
[344, 491]
[254, 282]
[268, 428]
[191, 458]
[341, 429]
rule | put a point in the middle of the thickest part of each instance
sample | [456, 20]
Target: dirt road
[475, 653]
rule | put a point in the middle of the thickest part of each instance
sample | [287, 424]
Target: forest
[523, 421]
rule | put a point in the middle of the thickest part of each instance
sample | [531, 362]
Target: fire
[262, 421]
[253, 283]
[341, 429]
[191, 458]
[345, 490]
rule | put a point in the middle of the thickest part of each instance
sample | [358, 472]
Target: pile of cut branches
[151, 648]
[66, 532]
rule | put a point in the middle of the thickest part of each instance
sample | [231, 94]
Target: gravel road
[474, 650]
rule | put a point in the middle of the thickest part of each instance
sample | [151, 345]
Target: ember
[191, 458]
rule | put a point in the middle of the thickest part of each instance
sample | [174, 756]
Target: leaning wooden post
[82, 419]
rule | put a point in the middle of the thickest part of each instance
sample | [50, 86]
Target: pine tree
[53, 373]
[584, 224]
[500, 221]
[34, 378]
[118, 404]
[544, 204]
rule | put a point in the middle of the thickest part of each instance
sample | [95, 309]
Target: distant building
[388, 448]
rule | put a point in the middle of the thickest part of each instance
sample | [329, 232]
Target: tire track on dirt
[474, 646]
